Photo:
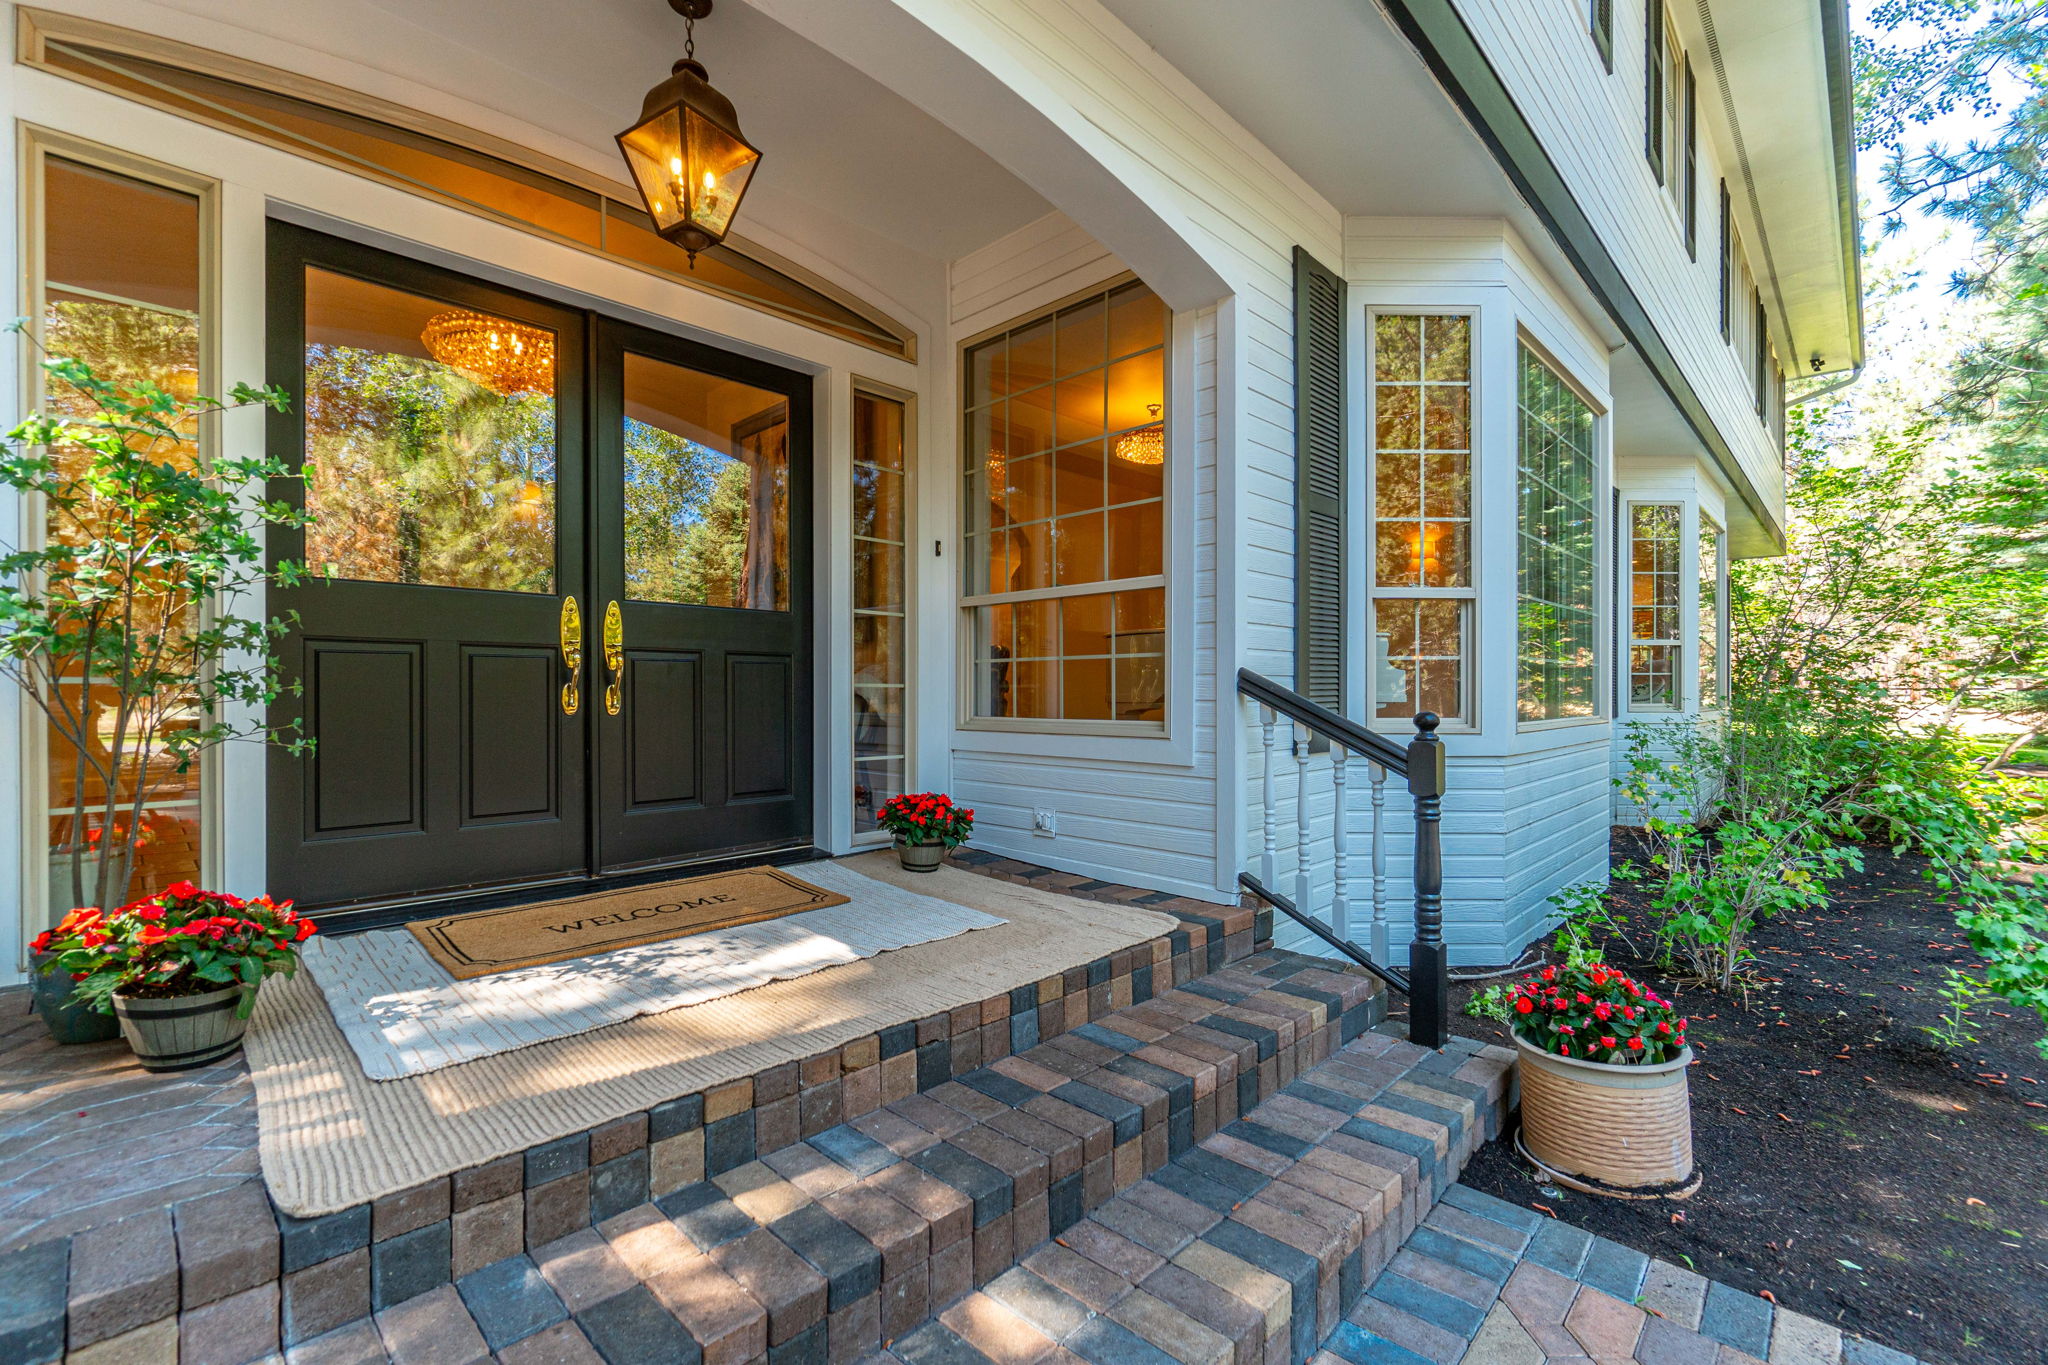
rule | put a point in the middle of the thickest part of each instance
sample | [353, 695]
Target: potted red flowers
[926, 825]
[179, 969]
[1604, 1102]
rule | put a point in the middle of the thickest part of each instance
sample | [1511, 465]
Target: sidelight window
[1422, 595]
[1557, 594]
[1066, 429]
[880, 673]
[1713, 612]
[1655, 548]
[117, 285]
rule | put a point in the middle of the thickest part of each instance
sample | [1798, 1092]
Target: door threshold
[385, 914]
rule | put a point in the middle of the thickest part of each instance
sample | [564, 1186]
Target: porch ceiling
[844, 157]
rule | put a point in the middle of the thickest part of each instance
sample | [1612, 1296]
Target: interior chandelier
[688, 157]
[506, 357]
[1146, 445]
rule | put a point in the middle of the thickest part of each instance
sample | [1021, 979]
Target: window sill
[1107, 742]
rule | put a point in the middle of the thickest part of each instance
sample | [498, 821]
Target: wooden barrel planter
[1605, 1129]
[920, 857]
[172, 1033]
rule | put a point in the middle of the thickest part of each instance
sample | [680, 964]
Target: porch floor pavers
[93, 1148]
[1531, 1290]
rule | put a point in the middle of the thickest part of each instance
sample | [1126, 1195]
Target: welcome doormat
[488, 941]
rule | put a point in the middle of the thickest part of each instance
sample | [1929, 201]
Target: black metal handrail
[1309, 922]
[1427, 982]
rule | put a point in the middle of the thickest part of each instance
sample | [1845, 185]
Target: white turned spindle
[1379, 864]
[1269, 846]
[1301, 862]
[1340, 899]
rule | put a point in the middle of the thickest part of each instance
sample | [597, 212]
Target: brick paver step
[1193, 1116]
[1486, 1282]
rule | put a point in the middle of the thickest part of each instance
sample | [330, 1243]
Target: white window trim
[1366, 543]
[34, 144]
[875, 388]
[1625, 540]
[1172, 741]
[1705, 527]
[1672, 117]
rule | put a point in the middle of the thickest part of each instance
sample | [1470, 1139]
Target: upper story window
[1600, 22]
[1422, 593]
[1670, 113]
[1065, 464]
[1655, 549]
[1557, 589]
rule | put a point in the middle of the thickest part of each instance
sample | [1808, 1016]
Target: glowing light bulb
[675, 167]
[710, 181]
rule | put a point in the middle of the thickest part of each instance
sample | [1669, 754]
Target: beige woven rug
[332, 1138]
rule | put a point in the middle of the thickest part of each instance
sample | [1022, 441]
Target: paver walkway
[1486, 1282]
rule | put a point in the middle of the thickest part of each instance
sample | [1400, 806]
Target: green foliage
[1743, 824]
[123, 626]
[1960, 993]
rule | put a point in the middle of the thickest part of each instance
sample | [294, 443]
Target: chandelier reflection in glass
[1146, 445]
[508, 358]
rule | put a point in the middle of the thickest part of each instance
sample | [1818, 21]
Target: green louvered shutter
[1318, 482]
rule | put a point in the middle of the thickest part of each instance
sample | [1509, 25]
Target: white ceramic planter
[1625, 1126]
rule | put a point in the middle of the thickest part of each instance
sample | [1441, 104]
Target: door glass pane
[707, 489]
[120, 291]
[879, 678]
[430, 433]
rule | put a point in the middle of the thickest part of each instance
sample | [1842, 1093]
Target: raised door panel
[509, 705]
[759, 711]
[365, 776]
[664, 727]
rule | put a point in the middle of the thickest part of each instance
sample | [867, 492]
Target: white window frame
[1707, 532]
[874, 388]
[1625, 540]
[1132, 740]
[1604, 534]
[1469, 721]
[1671, 118]
[33, 146]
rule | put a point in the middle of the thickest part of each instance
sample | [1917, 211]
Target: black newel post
[1429, 974]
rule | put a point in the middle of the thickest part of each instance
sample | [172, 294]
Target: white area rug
[404, 1016]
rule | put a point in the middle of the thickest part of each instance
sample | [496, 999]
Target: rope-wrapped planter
[1624, 1130]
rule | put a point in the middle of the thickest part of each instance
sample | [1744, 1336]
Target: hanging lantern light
[1146, 445]
[689, 159]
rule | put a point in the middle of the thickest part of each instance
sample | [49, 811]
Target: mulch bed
[1855, 1171]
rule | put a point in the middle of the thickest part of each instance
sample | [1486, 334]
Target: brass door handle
[614, 658]
[572, 655]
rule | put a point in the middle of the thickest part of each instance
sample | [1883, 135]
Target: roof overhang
[1782, 116]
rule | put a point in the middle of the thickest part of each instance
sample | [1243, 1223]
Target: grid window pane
[1420, 648]
[1422, 510]
[1655, 550]
[1557, 666]
[880, 676]
[1064, 468]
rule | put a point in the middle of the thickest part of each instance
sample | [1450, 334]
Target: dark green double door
[556, 624]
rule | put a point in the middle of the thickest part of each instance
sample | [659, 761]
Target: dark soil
[1855, 1170]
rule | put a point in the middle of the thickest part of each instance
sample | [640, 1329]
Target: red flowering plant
[181, 941]
[926, 818]
[1588, 1010]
